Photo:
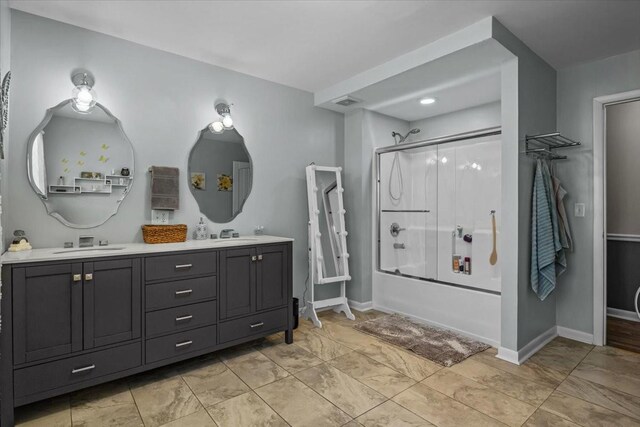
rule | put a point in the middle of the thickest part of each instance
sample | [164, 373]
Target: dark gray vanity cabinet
[112, 303]
[47, 311]
[68, 325]
[255, 291]
[253, 279]
[64, 308]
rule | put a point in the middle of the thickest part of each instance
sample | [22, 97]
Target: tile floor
[337, 376]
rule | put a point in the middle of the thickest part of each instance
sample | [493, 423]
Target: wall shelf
[543, 145]
[104, 185]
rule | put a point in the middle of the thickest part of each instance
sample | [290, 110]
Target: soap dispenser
[202, 232]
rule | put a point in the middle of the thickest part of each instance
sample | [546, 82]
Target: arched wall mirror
[80, 164]
[220, 174]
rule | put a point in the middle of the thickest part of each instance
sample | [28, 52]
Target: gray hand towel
[165, 188]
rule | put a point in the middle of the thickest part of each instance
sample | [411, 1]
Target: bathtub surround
[161, 114]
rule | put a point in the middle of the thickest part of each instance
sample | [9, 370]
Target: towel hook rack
[543, 145]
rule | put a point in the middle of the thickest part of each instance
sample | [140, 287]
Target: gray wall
[5, 65]
[365, 130]
[163, 101]
[577, 86]
[536, 114]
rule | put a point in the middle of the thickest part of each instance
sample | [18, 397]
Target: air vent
[346, 101]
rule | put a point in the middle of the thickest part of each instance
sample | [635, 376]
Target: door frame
[600, 209]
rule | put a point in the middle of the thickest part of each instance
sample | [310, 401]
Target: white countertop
[115, 249]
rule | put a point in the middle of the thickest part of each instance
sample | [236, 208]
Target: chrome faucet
[395, 229]
[226, 233]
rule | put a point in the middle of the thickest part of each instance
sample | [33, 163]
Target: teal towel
[545, 241]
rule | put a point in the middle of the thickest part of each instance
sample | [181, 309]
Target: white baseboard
[520, 356]
[485, 340]
[623, 314]
[575, 335]
[361, 306]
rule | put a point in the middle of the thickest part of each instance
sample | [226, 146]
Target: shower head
[402, 138]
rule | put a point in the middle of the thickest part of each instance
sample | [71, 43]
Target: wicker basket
[164, 233]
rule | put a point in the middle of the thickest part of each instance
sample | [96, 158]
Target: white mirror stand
[328, 255]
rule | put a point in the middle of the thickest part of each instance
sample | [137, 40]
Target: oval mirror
[80, 164]
[220, 174]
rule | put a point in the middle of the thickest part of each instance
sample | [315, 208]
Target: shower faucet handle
[395, 229]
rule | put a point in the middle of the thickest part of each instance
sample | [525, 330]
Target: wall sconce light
[225, 122]
[84, 97]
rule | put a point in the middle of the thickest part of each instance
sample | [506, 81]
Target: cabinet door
[112, 304]
[237, 282]
[272, 277]
[47, 308]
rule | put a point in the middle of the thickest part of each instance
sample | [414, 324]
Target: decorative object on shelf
[61, 180]
[201, 232]
[91, 175]
[4, 109]
[125, 172]
[225, 182]
[20, 242]
[83, 96]
[543, 146]
[224, 122]
[173, 233]
[199, 180]
[258, 230]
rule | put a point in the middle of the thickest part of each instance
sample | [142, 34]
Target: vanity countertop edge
[116, 249]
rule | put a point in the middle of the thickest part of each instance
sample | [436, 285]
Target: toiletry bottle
[456, 263]
[467, 265]
[202, 232]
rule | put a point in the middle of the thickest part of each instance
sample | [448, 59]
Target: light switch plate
[579, 209]
[159, 217]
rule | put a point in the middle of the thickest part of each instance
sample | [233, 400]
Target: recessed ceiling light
[427, 101]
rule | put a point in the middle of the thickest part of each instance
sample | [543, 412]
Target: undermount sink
[67, 251]
[236, 239]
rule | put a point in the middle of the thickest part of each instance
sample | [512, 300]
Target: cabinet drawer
[181, 292]
[253, 325]
[181, 318]
[76, 369]
[180, 343]
[180, 265]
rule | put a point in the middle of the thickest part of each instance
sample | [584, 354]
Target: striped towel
[545, 241]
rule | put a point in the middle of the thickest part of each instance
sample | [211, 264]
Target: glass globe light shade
[227, 121]
[84, 99]
[216, 127]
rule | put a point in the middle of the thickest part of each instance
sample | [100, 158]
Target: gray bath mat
[438, 345]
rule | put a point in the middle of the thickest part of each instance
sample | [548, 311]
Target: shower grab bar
[406, 210]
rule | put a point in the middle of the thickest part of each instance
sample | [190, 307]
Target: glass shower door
[408, 212]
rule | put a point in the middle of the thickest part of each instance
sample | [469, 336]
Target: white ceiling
[466, 78]
[314, 44]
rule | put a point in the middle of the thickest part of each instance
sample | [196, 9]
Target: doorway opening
[617, 221]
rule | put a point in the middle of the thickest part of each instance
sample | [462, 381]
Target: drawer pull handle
[184, 292]
[182, 318]
[254, 258]
[85, 369]
[88, 276]
[182, 344]
[77, 277]
[257, 325]
[183, 266]
[259, 257]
